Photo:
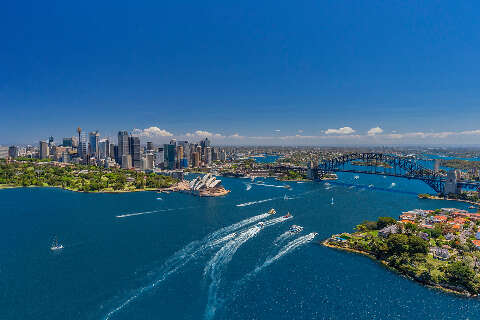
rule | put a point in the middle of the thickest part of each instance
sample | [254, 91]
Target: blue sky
[242, 71]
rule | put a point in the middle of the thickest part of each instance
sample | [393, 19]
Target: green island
[75, 177]
[438, 248]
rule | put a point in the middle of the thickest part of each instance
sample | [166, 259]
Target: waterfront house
[439, 219]
[440, 253]
[407, 216]
[449, 236]
[385, 232]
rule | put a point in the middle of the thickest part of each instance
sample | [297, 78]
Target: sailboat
[55, 245]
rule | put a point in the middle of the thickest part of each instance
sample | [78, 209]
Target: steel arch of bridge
[412, 169]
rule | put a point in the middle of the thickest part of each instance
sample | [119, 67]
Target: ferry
[296, 229]
[55, 245]
[288, 215]
[272, 211]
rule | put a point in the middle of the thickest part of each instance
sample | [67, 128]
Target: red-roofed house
[439, 219]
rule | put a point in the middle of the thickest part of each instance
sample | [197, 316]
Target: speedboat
[288, 215]
[356, 177]
[272, 211]
[287, 186]
[56, 246]
[261, 224]
[296, 229]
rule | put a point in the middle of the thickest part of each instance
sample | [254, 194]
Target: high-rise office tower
[169, 156]
[149, 146]
[67, 142]
[196, 159]
[111, 152]
[159, 157]
[179, 156]
[94, 139]
[104, 149]
[135, 152]
[12, 152]
[123, 145]
[208, 155]
[83, 145]
[44, 150]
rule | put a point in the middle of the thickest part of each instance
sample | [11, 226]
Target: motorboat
[272, 211]
[261, 224]
[332, 202]
[356, 177]
[287, 186]
[296, 229]
[288, 215]
[55, 245]
[472, 207]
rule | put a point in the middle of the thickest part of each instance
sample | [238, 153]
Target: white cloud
[152, 132]
[202, 133]
[277, 130]
[300, 131]
[236, 136]
[344, 130]
[374, 131]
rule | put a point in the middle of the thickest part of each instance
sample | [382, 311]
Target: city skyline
[272, 73]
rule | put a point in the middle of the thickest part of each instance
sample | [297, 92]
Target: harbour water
[175, 256]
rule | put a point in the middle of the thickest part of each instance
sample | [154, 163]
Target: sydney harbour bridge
[389, 165]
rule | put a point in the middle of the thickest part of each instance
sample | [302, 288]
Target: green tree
[383, 222]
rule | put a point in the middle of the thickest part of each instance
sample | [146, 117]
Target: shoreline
[384, 263]
[449, 199]
[173, 188]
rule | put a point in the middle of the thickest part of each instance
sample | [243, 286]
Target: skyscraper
[83, 145]
[12, 152]
[67, 142]
[149, 146]
[44, 150]
[123, 145]
[103, 149]
[169, 156]
[94, 138]
[135, 152]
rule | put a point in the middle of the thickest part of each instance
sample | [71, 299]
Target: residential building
[44, 150]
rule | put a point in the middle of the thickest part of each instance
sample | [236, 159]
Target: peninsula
[80, 178]
[439, 248]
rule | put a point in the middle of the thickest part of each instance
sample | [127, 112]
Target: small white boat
[55, 245]
[261, 224]
[332, 202]
[272, 211]
[370, 185]
[285, 197]
[356, 177]
[296, 229]
[471, 207]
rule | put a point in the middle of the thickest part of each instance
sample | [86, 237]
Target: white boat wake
[254, 202]
[213, 304]
[191, 251]
[218, 263]
[269, 185]
[283, 237]
[150, 212]
[249, 186]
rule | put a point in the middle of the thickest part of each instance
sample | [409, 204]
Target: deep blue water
[107, 260]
